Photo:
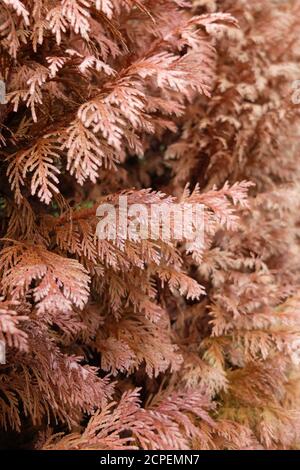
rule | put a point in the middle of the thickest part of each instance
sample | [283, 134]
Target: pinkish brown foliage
[148, 344]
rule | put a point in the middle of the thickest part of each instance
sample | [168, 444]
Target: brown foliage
[161, 345]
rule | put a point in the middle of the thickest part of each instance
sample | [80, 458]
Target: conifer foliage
[146, 343]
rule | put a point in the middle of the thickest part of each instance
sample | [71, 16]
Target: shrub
[149, 343]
